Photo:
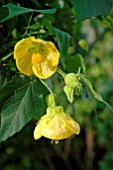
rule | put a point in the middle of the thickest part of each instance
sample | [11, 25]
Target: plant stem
[61, 72]
[6, 57]
[46, 85]
[30, 18]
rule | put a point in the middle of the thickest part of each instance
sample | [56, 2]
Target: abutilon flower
[56, 125]
[36, 56]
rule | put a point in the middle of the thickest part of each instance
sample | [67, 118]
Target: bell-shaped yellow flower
[36, 56]
[56, 125]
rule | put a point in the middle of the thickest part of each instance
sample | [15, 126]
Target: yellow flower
[56, 125]
[36, 56]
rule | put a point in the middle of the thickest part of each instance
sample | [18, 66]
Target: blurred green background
[92, 149]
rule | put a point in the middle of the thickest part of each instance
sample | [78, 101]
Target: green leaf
[73, 63]
[34, 26]
[63, 39]
[11, 10]
[6, 94]
[3, 79]
[39, 92]
[28, 102]
[3, 13]
[48, 25]
[93, 93]
[91, 8]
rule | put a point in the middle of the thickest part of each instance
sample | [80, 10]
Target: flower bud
[69, 91]
[71, 80]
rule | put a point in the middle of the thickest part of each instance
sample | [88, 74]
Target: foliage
[86, 9]
[82, 32]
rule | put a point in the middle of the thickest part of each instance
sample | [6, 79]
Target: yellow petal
[23, 55]
[53, 57]
[37, 132]
[43, 71]
[40, 125]
[56, 129]
[72, 124]
[46, 60]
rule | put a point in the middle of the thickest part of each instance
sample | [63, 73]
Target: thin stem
[28, 24]
[46, 85]
[6, 57]
[79, 69]
[61, 72]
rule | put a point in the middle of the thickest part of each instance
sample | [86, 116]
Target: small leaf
[63, 39]
[27, 103]
[93, 93]
[83, 44]
[11, 10]
[34, 26]
[73, 63]
[90, 8]
[48, 25]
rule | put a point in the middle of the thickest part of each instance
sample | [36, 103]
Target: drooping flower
[56, 125]
[36, 56]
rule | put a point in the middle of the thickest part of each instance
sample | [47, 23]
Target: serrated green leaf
[27, 103]
[9, 89]
[90, 8]
[11, 10]
[73, 63]
[63, 39]
[93, 93]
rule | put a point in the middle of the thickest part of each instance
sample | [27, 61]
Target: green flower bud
[71, 80]
[69, 91]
